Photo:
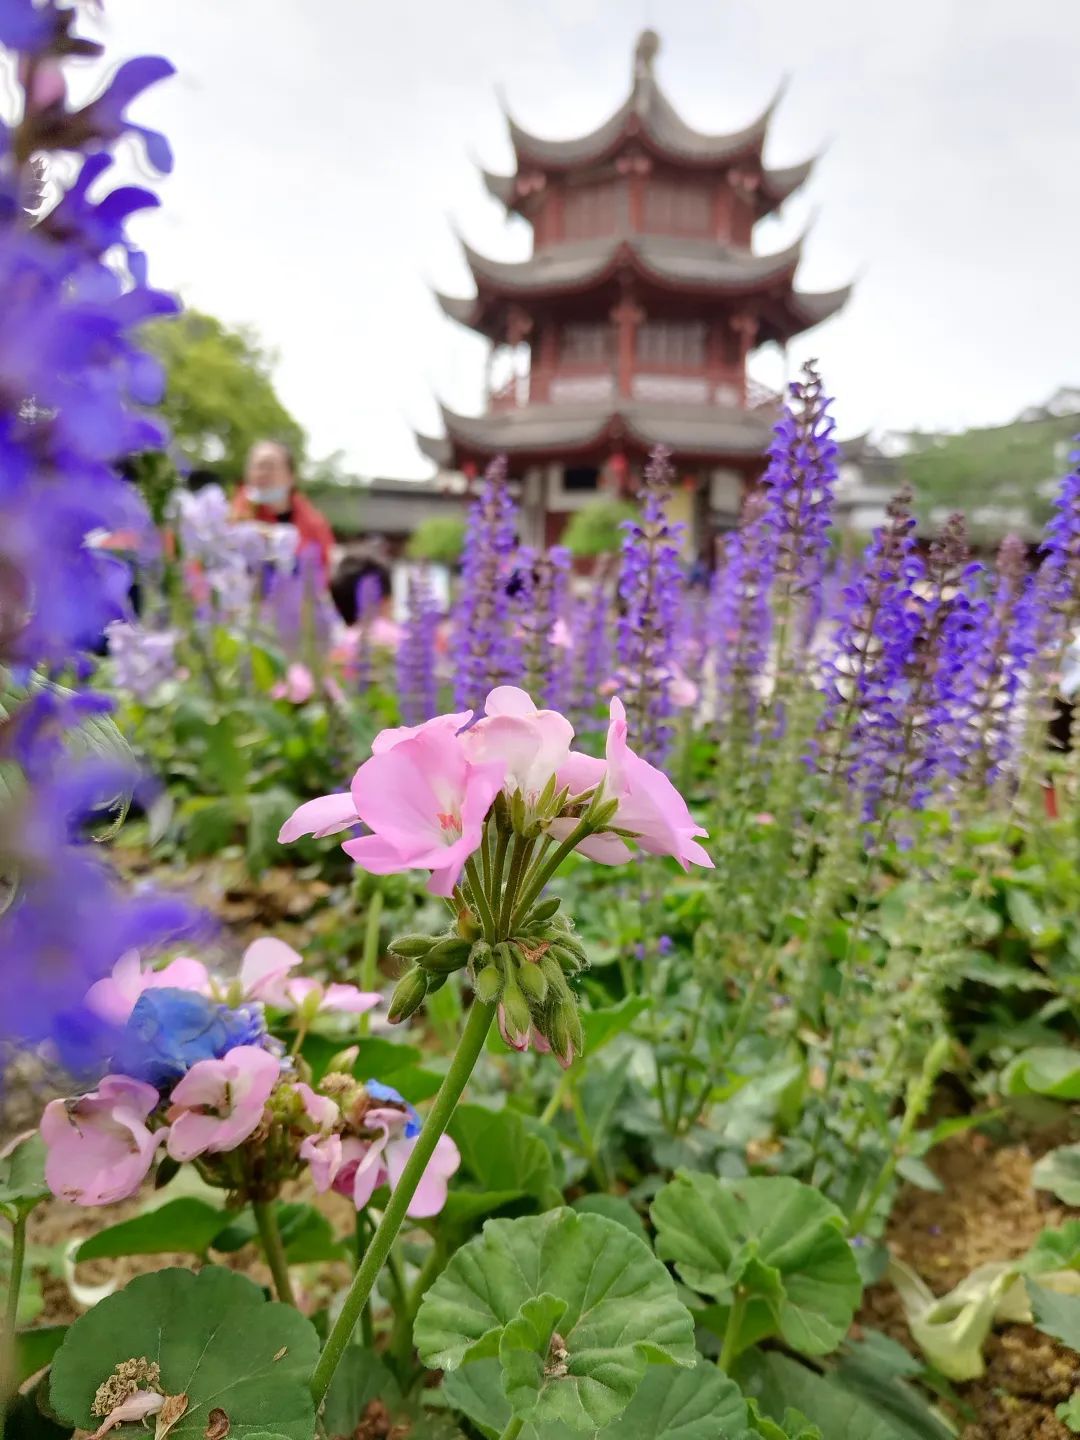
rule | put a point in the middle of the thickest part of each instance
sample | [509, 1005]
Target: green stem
[480, 900]
[18, 1255]
[273, 1249]
[514, 1427]
[582, 829]
[522, 850]
[500, 862]
[457, 1077]
[731, 1333]
[369, 965]
[558, 1095]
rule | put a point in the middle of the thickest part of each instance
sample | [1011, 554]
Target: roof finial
[645, 52]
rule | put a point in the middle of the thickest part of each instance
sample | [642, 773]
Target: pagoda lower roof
[671, 260]
[702, 430]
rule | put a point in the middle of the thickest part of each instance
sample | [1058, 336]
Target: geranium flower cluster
[492, 807]
[196, 1072]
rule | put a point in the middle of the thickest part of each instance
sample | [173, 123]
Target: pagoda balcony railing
[577, 384]
[510, 396]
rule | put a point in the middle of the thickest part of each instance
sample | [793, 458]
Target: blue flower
[169, 1030]
[389, 1096]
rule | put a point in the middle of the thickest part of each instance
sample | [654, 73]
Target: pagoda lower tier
[567, 456]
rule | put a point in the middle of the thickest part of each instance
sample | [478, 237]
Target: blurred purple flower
[484, 650]
[418, 678]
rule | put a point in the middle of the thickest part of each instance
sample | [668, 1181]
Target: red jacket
[313, 527]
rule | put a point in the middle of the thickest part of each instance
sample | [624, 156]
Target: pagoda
[632, 322]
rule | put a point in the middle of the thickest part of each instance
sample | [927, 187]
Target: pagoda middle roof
[669, 259]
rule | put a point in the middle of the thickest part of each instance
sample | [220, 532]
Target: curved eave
[461, 310]
[778, 185]
[499, 187]
[647, 116]
[742, 437]
[814, 307]
[691, 273]
[437, 448]
[476, 434]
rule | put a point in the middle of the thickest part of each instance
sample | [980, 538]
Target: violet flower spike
[484, 651]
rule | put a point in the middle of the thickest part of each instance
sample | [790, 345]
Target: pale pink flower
[438, 725]
[363, 1165]
[113, 998]
[579, 774]
[219, 1103]
[264, 975]
[297, 687]
[135, 1407]
[561, 635]
[529, 744]
[649, 804]
[326, 815]
[99, 1148]
[323, 1155]
[425, 804]
[321, 1110]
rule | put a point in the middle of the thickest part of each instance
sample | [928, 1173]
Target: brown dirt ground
[988, 1211]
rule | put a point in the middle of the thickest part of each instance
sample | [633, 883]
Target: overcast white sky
[326, 148]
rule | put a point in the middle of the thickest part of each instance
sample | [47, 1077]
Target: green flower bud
[543, 912]
[480, 955]
[411, 947]
[446, 956]
[533, 981]
[565, 1034]
[488, 985]
[571, 963]
[517, 812]
[408, 995]
[516, 1007]
[344, 1060]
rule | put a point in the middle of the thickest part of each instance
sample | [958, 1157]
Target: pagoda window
[589, 210]
[585, 345]
[672, 345]
[581, 478]
[678, 207]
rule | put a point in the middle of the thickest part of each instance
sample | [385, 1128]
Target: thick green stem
[480, 900]
[510, 908]
[18, 1255]
[369, 966]
[582, 829]
[731, 1333]
[514, 1427]
[273, 1249]
[457, 1077]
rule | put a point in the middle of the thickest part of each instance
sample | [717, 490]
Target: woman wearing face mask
[269, 493]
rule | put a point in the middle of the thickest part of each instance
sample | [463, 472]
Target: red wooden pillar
[626, 317]
[745, 327]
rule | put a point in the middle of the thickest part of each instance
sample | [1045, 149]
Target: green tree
[219, 391]
[439, 538]
[596, 529]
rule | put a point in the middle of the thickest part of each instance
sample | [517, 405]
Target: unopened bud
[543, 912]
[516, 1007]
[408, 995]
[565, 1034]
[446, 956]
[532, 981]
[344, 1059]
[480, 955]
[568, 960]
[411, 947]
[488, 985]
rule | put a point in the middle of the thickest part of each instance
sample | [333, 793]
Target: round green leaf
[777, 1241]
[182, 1225]
[217, 1340]
[698, 1404]
[584, 1296]
[1059, 1172]
[1044, 1070]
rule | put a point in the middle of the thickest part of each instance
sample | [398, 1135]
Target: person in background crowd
[345, 586]
[269, 492]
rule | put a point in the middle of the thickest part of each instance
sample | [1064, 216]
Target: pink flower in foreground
[529, 744]
[113, 998]
[425, 804]
[649, 804]
[356, 1167]
[446, 725]
[99, 1148]
[219, 1103]
[264, 975]
[298, 686]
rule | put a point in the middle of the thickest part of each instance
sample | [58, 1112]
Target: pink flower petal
[324, 816]
[349, 999]
[98, 1147]
[430, 1195]
[265, 965]
[321, 1110]
[236, 1088]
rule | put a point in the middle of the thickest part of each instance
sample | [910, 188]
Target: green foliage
[771, 1251]
[1059, 1172]
[216, 1339]
[595, 529]
[439, 539]
[574, 1307]
[219, 391]
[500, 1153]
[185, 1224]
[22, 1178]
[1056, 1315]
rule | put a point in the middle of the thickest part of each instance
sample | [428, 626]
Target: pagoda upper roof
[649, 116]
[702, 430]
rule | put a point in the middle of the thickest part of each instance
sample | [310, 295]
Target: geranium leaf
[1044, 1070]
[1056, 1315]
[1059, 1172]
[501, 1154]
[698, 1404]
[179, 1225]
[216, 1339]
[615, 1207]
[620, 1312]
[780, 1241]
[600, 1026]
[22, 1176]
[361, 1378]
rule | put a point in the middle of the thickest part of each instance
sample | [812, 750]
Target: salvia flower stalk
[484, 649]
[417, 656]
[650, 594]
[540, 606]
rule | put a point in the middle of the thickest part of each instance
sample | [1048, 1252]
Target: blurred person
[269, 493]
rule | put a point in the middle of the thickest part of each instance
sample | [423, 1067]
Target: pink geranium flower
[649, 804]
[529, 744]
[113, 998]
[99, 1147]
[264, 975]
[425, 804]
[357, 1167]
[298, 686]
[219, 1103]
[321, 1110]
